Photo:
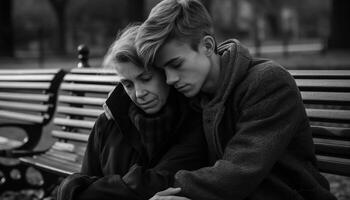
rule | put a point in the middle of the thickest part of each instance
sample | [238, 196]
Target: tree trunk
[6, 29]
[340, 30]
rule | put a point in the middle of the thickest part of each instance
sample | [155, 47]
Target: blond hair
[184, 20]
[123, 49]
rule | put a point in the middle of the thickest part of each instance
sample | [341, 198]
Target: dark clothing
[129, 157]
[258, 134]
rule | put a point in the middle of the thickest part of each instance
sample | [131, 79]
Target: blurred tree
[340, 29]
[59, 6]
[6, 29]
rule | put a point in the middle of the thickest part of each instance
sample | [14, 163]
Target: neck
[212, 81]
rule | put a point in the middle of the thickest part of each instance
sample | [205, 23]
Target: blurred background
[299, 34]
[38, 31]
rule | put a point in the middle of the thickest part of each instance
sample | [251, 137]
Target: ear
[209, 44]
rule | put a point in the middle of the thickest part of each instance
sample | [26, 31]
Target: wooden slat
[340, 148]
[110, 79]
[52, 165]
[22, 78]
[323, 84]
[82, 100]
[320, 73]
[89, 112]
[25, 85]
[23, 106]
[70, 135]
[326, 97]
[331, 132]
[74, 123]
[87, 87]
[24, 96]
[334, 165]
[328, 114]
[29, 71]
[21, 116]
[93, 71]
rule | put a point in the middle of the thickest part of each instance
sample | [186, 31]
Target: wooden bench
[81, 96]
[27, 101]
[326, 95]
[27, 104]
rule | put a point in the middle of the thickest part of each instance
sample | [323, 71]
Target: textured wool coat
[258, 134]
[117, 164]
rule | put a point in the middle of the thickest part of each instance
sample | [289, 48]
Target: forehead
[128, 70]
[171, 49]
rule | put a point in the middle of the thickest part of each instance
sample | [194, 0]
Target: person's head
[146, 87]
[177, 37]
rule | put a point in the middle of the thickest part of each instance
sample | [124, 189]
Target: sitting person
[147, 133]
[258, 134]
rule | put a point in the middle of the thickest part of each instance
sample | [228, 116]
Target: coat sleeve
[271, 113]
[141, 182]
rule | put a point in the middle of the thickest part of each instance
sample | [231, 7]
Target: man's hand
[168, 194]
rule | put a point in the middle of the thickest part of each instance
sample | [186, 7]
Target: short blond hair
[123, 48]
[184, 20]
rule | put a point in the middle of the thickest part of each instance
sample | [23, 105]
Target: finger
[169, 192]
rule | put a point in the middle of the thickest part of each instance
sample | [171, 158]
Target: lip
[148, 104]
[182, 88]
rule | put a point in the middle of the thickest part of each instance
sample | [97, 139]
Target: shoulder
[104, 126]
[268, 75]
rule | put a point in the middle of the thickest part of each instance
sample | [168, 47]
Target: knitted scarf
[156, 130]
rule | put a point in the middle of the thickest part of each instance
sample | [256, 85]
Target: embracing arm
[271, 113]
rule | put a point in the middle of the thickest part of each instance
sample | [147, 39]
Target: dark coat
[258, 134]
[116, 165]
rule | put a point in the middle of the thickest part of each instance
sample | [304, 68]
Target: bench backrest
[82, 94]
[326, 95]
[29, 96]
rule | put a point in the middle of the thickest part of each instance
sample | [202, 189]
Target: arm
[271, 113]
[142, 183]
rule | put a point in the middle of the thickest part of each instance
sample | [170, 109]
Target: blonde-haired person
[147, 133]
[258, 134]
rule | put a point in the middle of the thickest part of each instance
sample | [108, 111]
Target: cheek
[131, 95]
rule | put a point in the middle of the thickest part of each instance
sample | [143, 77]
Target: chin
[153, 110]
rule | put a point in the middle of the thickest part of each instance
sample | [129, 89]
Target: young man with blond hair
[258, 134]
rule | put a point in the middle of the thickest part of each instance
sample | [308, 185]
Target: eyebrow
[170, 61]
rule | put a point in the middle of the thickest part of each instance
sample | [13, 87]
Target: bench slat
[52, 165]
[79, 111]
[331, 132]
[29, 71]
[326, 97]
[110, 79]
[93, 71]
[325, 84]
[328, 114]
[82, 100]
[332, 147]
[23, 106]
[87, 87]
[22, 78]
[74, 123]
[21, 116]
[24, 96]
[70, 135]
[320, 73]
[334, 165]
[25, 85]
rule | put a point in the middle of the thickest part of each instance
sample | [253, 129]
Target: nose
[171, 76]
[140, 92]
